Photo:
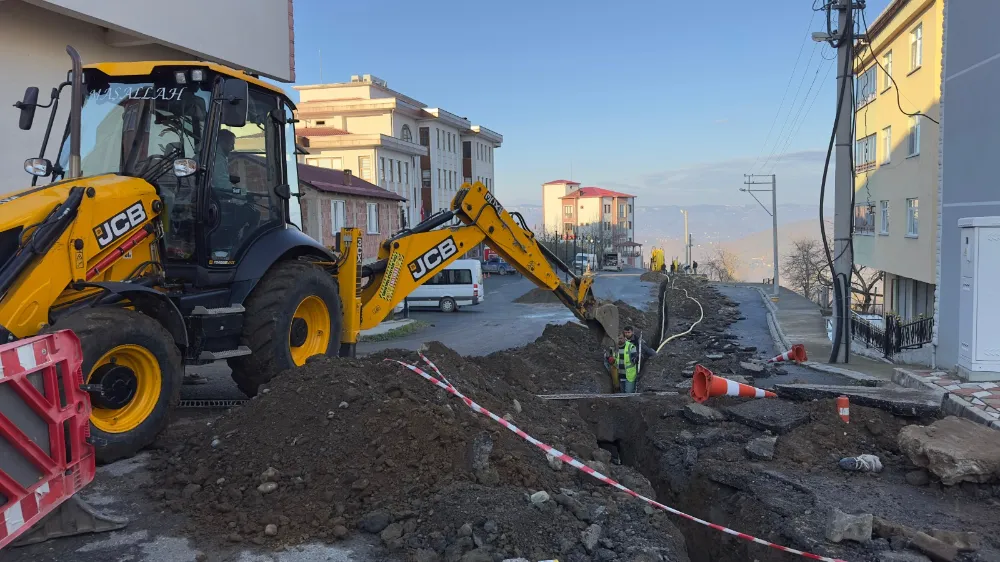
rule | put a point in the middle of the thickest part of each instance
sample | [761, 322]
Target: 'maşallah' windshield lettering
[121, 93]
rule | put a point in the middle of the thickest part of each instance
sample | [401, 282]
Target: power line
[796, 122]
[796, 97]
[783, 95]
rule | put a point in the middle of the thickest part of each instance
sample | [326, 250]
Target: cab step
[219, 355]
[233, 309]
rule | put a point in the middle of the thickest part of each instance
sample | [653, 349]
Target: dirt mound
[346, 444]
[538, 295]
[652, 276]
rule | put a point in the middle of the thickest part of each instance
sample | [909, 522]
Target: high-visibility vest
[627, 361]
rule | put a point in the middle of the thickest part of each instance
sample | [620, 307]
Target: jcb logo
[432, 258]
[493, 201]
[119, 225]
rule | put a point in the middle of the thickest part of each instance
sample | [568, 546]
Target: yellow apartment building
[898, 71]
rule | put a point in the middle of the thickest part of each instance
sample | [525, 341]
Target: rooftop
[562, 181]
[584, 192]
[335, 181]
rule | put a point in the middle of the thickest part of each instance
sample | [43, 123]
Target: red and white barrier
[586, 469]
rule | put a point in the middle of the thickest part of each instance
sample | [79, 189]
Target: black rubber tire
[268, 318]
[102, 329]
[448, 304]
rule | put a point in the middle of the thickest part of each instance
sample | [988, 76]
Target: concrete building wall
[589, 210]
[316, 207]
[446, 163]
[252, 34]
[970, 143]
[902, 176]
[553, 217]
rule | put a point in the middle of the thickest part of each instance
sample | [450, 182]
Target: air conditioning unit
[979, 300]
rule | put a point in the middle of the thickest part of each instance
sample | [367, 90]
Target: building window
[630, 228]
[568, 229]
[916, 47]
[864, 153]
[381, 168]
[440, 178]
[913, 139]
[864, 221]
[425, 136]
[887, 64]
[406, 173]
[630, 208]
[866, 87]
[438, 131]
[568, 210]
[883, 207]
[320, 123]
[365, 165]
[405, 134]
[912, 218]
[338, 215]
[621, 210]
[466, 149]
[886, 145]
[399, 171]
[373, 218]
[607, 208]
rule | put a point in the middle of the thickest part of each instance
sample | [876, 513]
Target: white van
[459, 284]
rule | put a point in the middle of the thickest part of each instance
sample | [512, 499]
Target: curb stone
[951, 404]
[783, 345]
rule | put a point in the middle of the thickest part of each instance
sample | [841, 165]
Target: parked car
[458, 284]
[496, 264]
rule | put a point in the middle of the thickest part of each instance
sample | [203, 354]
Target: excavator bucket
[604, 324]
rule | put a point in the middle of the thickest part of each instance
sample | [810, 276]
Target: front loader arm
[414, 256]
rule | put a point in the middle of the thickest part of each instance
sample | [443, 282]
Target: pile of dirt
[342, 445]
[538, 295]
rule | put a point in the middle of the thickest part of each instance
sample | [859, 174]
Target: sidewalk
[798, 320]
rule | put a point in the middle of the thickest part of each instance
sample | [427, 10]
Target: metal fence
[893, 336]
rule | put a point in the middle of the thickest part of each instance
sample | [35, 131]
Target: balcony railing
[891, 335]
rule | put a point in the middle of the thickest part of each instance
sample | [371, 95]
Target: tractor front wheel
[131, 362]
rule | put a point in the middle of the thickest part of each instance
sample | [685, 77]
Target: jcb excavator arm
[414, 256]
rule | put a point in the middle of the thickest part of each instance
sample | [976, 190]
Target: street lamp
[750, 181]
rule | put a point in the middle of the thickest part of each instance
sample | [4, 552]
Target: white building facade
[383, 136]
[34, 35]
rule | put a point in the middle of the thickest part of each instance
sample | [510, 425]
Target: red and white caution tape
[586, 469]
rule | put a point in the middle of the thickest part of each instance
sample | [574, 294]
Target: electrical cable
[791, 135]
[798, 89]
[783, 95]
[892, 78]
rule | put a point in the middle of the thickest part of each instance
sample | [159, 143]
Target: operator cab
[219, 149]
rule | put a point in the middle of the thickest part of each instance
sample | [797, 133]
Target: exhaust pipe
[75, 110]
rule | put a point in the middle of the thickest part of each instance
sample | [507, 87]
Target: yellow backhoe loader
[163, 239]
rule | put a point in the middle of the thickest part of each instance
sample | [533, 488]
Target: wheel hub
[118, 385]
[298, 333]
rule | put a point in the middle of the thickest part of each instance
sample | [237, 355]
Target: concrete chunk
[953, 449]
[907, 402]
[776, 416]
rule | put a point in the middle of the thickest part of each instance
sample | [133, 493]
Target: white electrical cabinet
[979, 299]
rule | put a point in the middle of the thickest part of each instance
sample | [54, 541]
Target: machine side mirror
[234, 102]
[27, 107]
[184, 167]
[40, 167]
[283, 191]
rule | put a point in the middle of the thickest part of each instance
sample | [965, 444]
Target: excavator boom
[412, 257]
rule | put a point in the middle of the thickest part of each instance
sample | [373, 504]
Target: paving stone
[911, 402]
[776, 416]
[954, 449]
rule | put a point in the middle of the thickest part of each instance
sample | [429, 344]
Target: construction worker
[628, 364]
[630, 335]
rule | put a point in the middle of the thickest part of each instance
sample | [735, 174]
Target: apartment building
[896, 155]
[34, 35]
[422, 154]
[592, 213]
[970, 141]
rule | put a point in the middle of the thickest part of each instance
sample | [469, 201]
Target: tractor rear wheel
[134, 360]
[293, 314]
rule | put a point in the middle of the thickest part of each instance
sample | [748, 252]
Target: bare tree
[806, 271]
[722, 265]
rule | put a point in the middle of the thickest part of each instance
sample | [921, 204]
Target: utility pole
[750, 181]
[844, 181]
[687, 239]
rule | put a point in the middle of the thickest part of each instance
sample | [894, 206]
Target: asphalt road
[752, 330]
[495, 324]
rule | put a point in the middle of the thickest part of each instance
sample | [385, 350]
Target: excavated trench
[702, 471]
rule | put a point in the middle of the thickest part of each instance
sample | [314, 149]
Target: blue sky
[668, 100]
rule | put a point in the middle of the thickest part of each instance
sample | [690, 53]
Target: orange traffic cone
[705, 385]
[844, 409]
[797, 353]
